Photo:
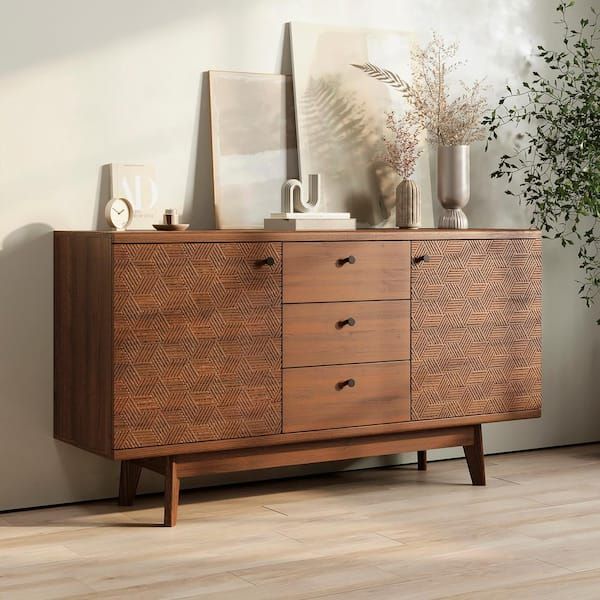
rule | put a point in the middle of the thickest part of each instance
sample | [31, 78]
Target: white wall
[87, 83]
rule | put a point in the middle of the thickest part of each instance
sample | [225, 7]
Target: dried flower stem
[448, 122]
[402, 149]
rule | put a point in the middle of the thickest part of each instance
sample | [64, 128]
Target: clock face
[119, 213]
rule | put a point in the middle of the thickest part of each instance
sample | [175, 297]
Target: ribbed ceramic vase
[408, 205]
[453, 185]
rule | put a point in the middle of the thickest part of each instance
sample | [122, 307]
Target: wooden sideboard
[219, 351]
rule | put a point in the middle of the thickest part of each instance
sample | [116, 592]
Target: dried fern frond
[388, 77]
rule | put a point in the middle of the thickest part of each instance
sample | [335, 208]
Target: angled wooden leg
[128, 482]
[171, 492]
[422, 460]
[474, 456]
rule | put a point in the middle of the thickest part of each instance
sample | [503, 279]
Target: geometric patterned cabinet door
[197, 342]
[476, 327]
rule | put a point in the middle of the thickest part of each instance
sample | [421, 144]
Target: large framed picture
[341, 118]
[254, 152]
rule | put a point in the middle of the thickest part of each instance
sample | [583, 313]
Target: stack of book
[310, 221]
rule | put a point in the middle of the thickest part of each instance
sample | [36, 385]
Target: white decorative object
[408, 205]
[136, 183]
[119, 213]
[309, 223]
[300, 213]
[253, 133]
[293, 200]
[340, 117]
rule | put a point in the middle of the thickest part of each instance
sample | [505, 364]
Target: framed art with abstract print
[254, 149]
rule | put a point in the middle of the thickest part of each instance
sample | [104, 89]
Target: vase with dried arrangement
[401, 154]
[452, 124]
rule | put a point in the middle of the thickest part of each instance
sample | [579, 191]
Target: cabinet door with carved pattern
[197, 342]
[475, 327]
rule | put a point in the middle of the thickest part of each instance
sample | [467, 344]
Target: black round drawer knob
[268, 261]
[423, 258]
[348, 383]
[349, 321]
[349, 259]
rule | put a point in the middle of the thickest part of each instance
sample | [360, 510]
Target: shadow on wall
[198, 209]
[26, 325]
[26, 343]
[199, 206]
[102, 197]
[26, 365]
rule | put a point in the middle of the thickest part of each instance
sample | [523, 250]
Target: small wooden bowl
[172, 227]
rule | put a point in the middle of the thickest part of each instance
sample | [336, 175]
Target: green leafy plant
[556, 159]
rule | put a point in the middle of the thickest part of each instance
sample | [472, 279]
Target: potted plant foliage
[555, 164]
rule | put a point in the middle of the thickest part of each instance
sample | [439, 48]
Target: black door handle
[423, 258]
[349, 259]
[349, 321]
[270, 261]
[348, 383]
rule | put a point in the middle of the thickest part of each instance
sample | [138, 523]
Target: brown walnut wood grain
[197, 342]
[311, 436]
[474, 456]
[476, 327]
[314, 272]
[313, 333]
[172, 485]
[316, 399]
[169, 347]
[128, 482]
[256, 235]
[83, 341]
[191, 465]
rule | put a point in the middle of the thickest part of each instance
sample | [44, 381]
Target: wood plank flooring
[533, 532]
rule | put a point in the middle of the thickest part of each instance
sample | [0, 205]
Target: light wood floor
[533, 532]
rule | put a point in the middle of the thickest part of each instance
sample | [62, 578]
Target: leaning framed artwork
[341, 118]
[254, 150]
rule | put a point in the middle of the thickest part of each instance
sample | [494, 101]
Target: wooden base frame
[176, 467]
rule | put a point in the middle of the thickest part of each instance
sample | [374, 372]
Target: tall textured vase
[408, 204]
[453, 185]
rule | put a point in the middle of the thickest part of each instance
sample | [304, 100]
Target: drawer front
[336, 271]
[321, 397]
[197, 342]
[476, 327]
[345, 332]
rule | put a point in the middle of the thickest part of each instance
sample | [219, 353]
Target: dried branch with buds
[402, 148]
[448, 122]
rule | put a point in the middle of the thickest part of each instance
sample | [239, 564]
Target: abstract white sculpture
[301, 213]
[293, 200]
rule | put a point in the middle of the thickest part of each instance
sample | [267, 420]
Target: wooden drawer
[315, 334]
[320, 397]
[316, 272]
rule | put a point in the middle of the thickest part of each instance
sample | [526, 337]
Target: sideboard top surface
[260, 235]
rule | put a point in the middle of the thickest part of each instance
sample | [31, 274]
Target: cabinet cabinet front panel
[345, 332]
[346, 396]
[197, 342]
[339, 271]
[476, 327]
